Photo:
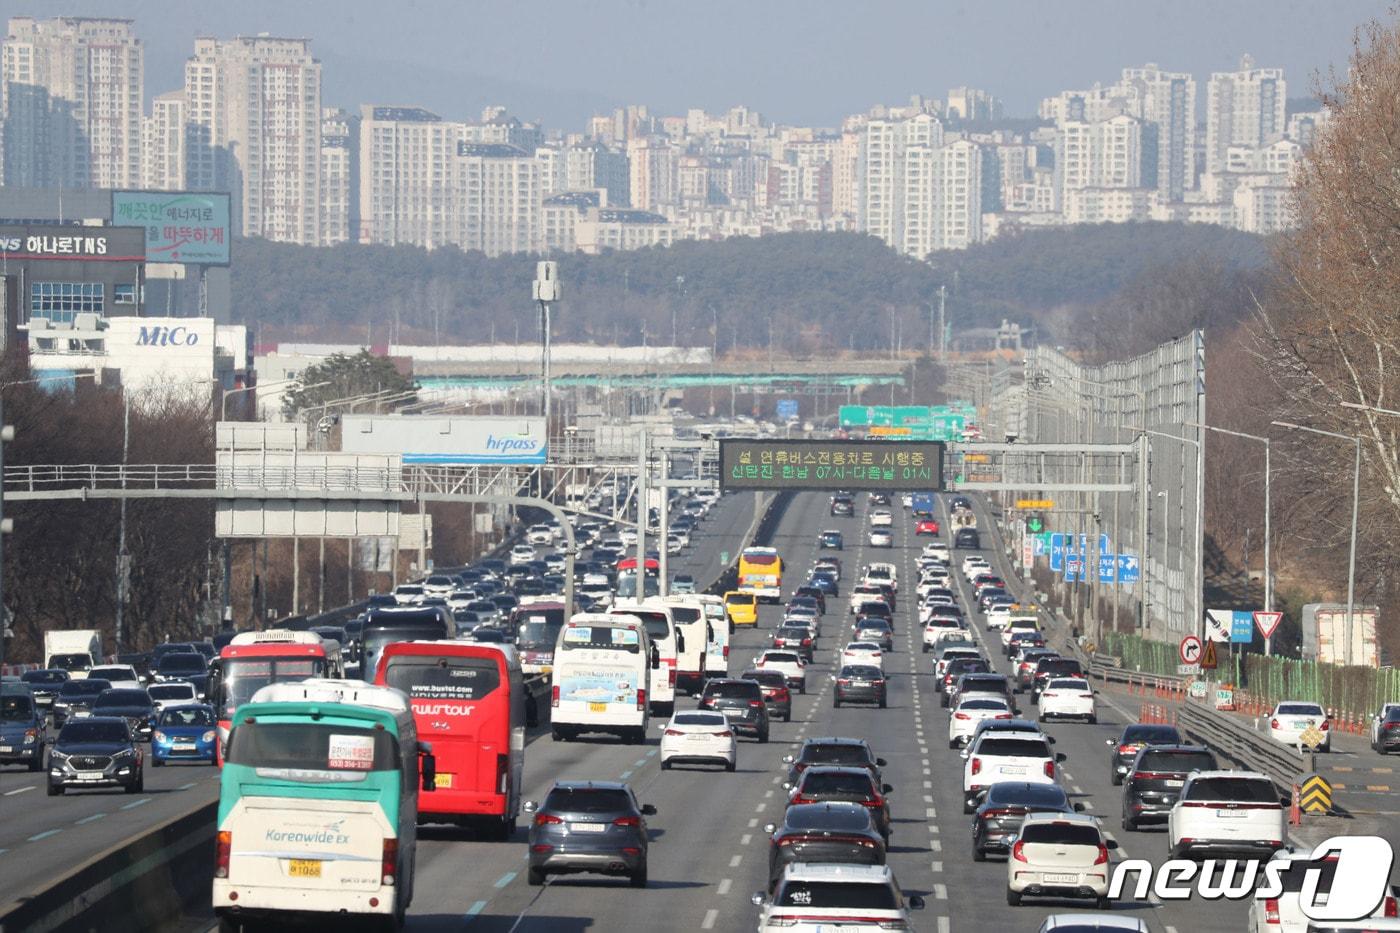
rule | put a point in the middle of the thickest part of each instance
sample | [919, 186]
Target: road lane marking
[734, 860]
[933, 830]
[928, 798]
[505, 879]
[759, 808]
[44, 835]
[745, 839]
[777, 778]
[725, 885]
[711, 916]
[753, 823]
[136, 803]
[639, 762]
[90, 819]
[186, 786]
[937, 868]
[624, 775]
[943, 926]
[930, 813]
[11, 793]
[476, 908]
[768, 793]
[940, 892]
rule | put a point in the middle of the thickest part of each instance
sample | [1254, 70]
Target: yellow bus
[761, 573]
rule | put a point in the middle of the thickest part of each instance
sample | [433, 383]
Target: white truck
[73, 650]
[1325, 634]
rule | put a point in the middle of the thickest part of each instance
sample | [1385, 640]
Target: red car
[926, 526]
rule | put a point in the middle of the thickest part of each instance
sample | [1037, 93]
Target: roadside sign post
[1267, 623]
[1190, 650]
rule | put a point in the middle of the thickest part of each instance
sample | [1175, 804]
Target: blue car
[184, 733]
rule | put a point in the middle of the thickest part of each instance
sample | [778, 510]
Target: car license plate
[1061, 879]
[90, 776]
[1013, 770]
[1231, 814]
[587, 827]
[6, 749]
[442, 780]
[184, 746]
[697, 737]
[597, 707]
[1176, 783]
[304, 868]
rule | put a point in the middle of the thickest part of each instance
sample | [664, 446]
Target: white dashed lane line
[711, 916]
[734, 860]
[725, 885]
[20, 790]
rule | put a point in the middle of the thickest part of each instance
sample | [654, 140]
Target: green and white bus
[318, 806]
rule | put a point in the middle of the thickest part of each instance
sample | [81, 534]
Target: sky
[804, 62]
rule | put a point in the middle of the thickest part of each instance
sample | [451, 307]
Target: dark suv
[1155, 781]
[135, 706]
[776, 693]
[795, 638]
[1135, 737]
[99, 751]
[843, 505]
[44, 685]
[589, 826]
[76, 696]
[832, 751]
[22, 731]
[742, 702]
[1047, 669]
[826, 783]
[957, 668]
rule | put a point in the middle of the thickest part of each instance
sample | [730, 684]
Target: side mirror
[886, 789]
[529, 806]
[1109, 742]
[916, 902]
[1286, 800]
[428, 767]
[648, 810]
[880, 762]
[756, 899]
[1061, 757]
[1110, 843]
[770, 828]
[964, 754]
[1079, 808]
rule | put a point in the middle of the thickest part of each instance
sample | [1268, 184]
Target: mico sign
[162, 336]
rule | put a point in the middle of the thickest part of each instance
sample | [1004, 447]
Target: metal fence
[1151, 400]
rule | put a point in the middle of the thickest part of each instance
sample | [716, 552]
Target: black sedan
[98, 751]
[860, 683]
[1135, 737]
[134, 706]
[76, 697]
[998, 818]
[842, 833]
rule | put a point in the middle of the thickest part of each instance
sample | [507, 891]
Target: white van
[661, 629]
[717, 648]
[694, 626]
[602, 665]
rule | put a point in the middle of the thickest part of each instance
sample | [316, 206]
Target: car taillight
[674, 732]
[756, 703]
[726, 734]
[961, 716]
[642, 700]
[554, 695]
[546, 819]
[502, 773]
[976, 765]
[223, 849]
[1018, 852]
[1002, 716]
[1271, 916]
[807, 643]
[1050, 769]
[627, 821]
[1273, 723]
[843, 681]
[1102, 857]
[802, 798]
[1127, 749]
[1392, 907]
[389, 862]
[1326, 724]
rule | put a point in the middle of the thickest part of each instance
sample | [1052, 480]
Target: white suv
[522, 554]
[1003, 756]
[972, 566]
[1059, 855]
[1284, 914]
[812, 897]
[788, 663]
[1229, 810]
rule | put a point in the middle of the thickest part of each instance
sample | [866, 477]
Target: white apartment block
[1279, 158]
[255, 124]
[1091, 106]
[621, 228]
[1168, 101]
[654, 164]
[1264, 208]
[163, 144]
[1108, 205]
[496, 189]
[969, 103]
[1105, 154]
[559, 218]
[1303, 127]
[339, 145]
[71, 97]
[408, 177]
[1244, 108]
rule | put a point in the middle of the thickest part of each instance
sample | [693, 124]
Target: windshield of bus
[596, 637]
[244, 677]
[684, 615]
[538, 628]
[627, 585]
[312, 752]
[658, 624]
[376, 635]
[443, 678]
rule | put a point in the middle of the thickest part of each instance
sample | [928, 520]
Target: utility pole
[7, 434]
[642, 467]
[546, 292]
[123, 559]
[663, 563]
[942, 322]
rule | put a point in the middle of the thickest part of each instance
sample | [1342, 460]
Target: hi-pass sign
[830, 464]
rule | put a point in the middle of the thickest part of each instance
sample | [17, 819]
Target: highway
[709, 852]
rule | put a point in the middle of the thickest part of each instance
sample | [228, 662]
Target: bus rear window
[425, 678]
[760, 560]
[310, 751]
[601, 636]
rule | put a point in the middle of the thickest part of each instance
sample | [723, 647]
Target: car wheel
[1013, 898]
[665, 765]
[639, 877]
[763, 736]
[730, 766]
[535, 877]
[1103, 903]
[558, 735]
[1128, 823]
[952, 743]
[787, 717]
[37, 762]
[925, 649]
[55, 790]
[883, 703]
[836, 702]
[1093, 720]
[157, 762]
[1115, 778]
[943, 701]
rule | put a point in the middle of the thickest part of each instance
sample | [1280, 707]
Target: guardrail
[1242, 745]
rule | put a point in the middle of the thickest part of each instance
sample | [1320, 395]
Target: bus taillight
[502, 772]
[222, 851]
[641, 700]
[673, 676]
[389, 862]
[554, 695]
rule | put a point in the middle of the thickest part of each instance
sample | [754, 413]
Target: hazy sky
[795, 61]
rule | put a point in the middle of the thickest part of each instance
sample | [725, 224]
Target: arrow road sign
[1267, 622]
[1190, 650]
[1129, 569]
[1315, 796]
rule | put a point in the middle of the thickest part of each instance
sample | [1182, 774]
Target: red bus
[627, 578]
[255, 659]
[468, 700]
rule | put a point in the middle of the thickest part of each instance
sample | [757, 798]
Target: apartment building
[654, 172]
[339, 175]
[71, 96]
[496, 198]
[408, 176]
[163, 144]
[1167, 100]
[255, 130]
[622, 228]
[1247, 107]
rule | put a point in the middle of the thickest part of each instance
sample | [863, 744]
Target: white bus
[694, 627]
[602, 665]
[661, 629]
[717, 648]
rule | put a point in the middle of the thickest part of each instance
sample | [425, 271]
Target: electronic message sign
[830, 464]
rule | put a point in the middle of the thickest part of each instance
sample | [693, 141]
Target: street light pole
[1355, 509]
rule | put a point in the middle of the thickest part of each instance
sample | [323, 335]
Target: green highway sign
[830, 464]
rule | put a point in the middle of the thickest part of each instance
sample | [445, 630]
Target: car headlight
[208, 736]
[56, 756]
[158, 736]
[125, 753]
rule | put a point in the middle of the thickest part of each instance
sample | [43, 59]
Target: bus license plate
[597, 707]
[305, 868]
[443, 781]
